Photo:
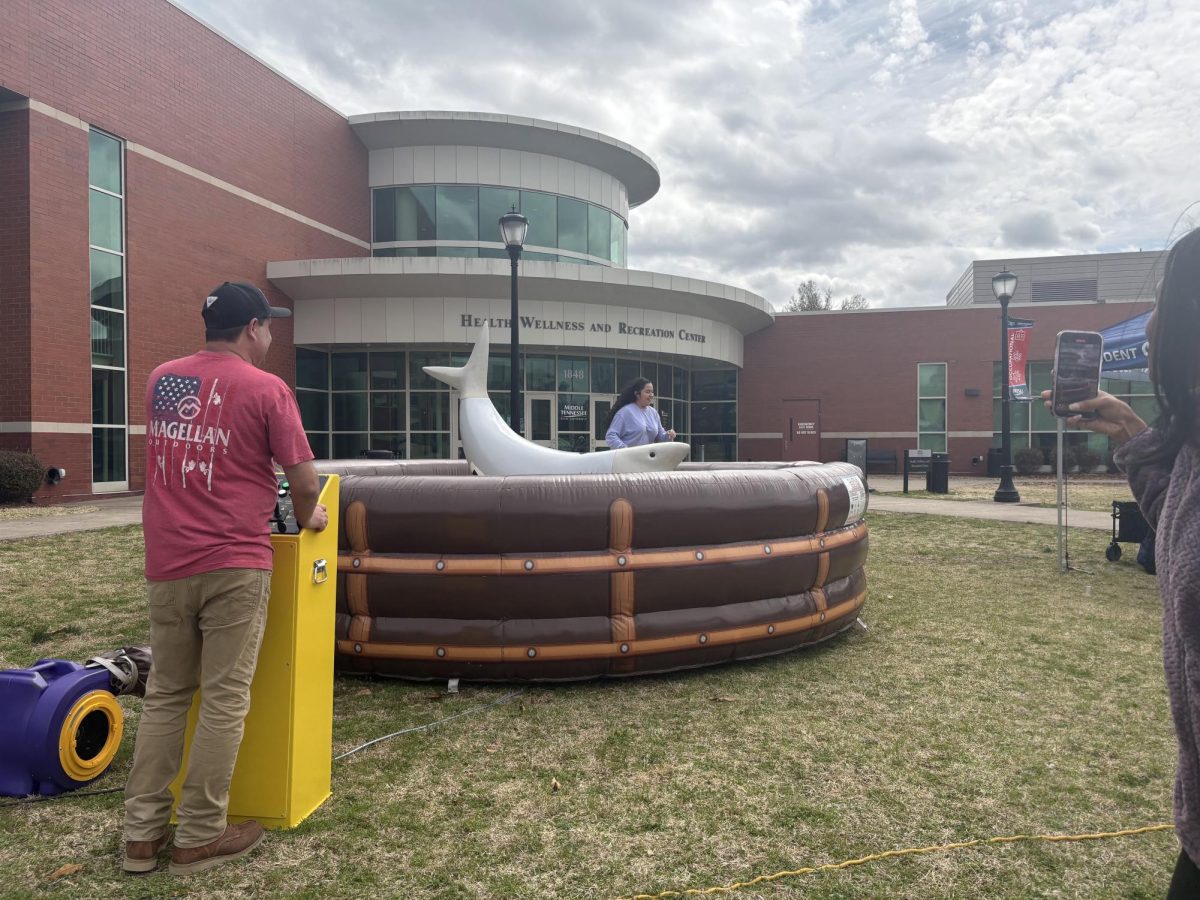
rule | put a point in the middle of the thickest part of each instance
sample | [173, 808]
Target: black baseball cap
[237, 303]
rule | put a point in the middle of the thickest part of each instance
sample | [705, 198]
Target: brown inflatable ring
[442, 574]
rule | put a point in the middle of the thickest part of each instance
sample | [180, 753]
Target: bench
[881, 462]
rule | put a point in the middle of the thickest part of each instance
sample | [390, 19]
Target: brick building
[144, 158]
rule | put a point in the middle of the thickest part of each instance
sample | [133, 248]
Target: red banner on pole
[1018, 355]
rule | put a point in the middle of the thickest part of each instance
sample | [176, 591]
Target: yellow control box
[283, 767]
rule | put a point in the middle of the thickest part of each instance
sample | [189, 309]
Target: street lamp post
[1004, 285]
[513, 227]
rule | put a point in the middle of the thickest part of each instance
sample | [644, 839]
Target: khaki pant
[205, 632]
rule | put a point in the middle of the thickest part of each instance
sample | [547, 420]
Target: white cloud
[875, 147]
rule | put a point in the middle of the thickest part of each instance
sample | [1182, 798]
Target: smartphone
[1077, 356]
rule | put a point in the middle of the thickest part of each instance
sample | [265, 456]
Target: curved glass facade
[352, 401]
[452, 217]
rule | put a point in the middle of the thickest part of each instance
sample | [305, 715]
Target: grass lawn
[1083, 492]
[990, 696]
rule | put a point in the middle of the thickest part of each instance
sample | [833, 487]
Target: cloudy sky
[875, 146]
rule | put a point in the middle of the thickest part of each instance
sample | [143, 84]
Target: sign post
[916, 462]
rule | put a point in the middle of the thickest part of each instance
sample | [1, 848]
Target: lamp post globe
[513, 228]
[1004, 285]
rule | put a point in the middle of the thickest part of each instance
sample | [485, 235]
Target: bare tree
[810, 297]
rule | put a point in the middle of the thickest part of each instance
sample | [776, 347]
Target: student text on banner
[1018, 355]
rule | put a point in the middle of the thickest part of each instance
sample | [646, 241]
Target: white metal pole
[1061, 504]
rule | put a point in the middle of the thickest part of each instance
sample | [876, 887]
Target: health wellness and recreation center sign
[535, 324]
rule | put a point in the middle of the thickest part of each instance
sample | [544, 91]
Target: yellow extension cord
[890, 854]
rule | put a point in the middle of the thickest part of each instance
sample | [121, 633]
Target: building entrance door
[540, 423]
[801, 430]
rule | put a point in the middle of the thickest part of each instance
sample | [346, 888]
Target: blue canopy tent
[1125, 349]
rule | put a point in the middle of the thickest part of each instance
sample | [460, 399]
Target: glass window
[393, 442]
[387, 411]
[314, 410]
[387, 371]
[108, 398]
[534, 256]
[417, 378]
[572, 374]
[384, 203]
[429, 446]
[600, 410]
[542, 212]
[319, 443]
[108, 338]
[105, 220]
[679, 381]
[429, 411]
[1145, 406]
[539, 373]
[931, 415]
[573, 443]
[498, 369]
[104, 162]
[934, 442]
[604, 376]
[573, 412]
[468, 252]
[350, 412]
[651, 373]
[108, 285]
[349, 446]
[627, 371]
[599, 225]
[493, 203]
[714, 418]
[720, 385]
[350, 371]
[502, 402]
[931, 380]
[714, 449]
[415, 213]
[1039, 376]
[1043, 419]
[615, 239]
[572, 225]
[458, 213]
[490, 253]
[108, 454]
[312, 369]
[681, 417]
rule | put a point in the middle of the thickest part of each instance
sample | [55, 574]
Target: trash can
[995, 457]
[938, 479]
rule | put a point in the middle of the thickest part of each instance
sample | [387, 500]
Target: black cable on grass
[66, 795]
[71, 795]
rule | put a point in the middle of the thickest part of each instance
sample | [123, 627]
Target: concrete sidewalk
[128, 511]
[117, 511]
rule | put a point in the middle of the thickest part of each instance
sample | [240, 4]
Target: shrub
[20, 475]
[1086, 458]
[1028, 460]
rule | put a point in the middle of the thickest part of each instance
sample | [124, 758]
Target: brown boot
[142, 856]
[236, 842]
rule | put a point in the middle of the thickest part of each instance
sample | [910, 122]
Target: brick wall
[148, 73]
[863, 369]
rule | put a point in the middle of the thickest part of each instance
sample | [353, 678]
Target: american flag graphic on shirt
[185, 435]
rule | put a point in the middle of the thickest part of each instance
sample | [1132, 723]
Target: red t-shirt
[214, 424]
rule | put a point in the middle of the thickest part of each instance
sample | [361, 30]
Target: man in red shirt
[216, 426]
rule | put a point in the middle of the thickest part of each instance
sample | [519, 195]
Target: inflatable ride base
[442, 574]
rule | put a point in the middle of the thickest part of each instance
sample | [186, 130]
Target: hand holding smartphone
[1077, 358]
